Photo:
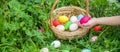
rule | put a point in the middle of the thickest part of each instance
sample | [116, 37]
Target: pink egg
[41, 30]
[85, 19]
[94, 38]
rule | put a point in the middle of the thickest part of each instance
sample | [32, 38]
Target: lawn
[20, 21]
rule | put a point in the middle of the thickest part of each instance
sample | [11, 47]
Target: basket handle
[55, 3]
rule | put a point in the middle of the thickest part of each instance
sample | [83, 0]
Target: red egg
[56, 22]
[97, 28]
[85, 19]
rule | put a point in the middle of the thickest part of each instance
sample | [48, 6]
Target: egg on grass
[44, 50]
[86, 50]
[56, 43]
[94, 38]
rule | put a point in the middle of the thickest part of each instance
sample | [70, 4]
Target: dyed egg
[44, 50]
[94, 38]
[56, 22]
[73, 19]
[85, 19]
[73, 27]
[41, 30]
[56, 43]
[67, 25]
[106, 51]
[97, 28]
[60, 27]
[63, 19]
[80, 16]
[86, 50]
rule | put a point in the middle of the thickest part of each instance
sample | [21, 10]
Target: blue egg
[86, 50]
[80, 16]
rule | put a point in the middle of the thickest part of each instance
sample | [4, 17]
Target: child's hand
[90, 23]
[80, 25]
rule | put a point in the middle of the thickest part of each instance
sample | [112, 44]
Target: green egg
[67, 25]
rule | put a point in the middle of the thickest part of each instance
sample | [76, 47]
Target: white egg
[73, 27]
[56, 43]
[73, 19]
[60, 27]
[44, 50]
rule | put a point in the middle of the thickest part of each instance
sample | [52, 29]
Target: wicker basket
[68, 11]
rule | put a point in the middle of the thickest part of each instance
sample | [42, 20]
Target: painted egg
[86, 50]
[63, 19]
[60, 27]
[44, 50]
[80, 16]
[67, 25]
[97, 28]
[73, 27]
[41, 30]
[85, 19]
[73, 19]
[94, 38]
[56, 22]
[56, 43]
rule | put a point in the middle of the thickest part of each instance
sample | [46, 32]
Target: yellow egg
[63, 19]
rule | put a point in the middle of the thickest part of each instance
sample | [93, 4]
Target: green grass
[23, 18]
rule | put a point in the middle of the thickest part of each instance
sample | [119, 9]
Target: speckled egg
[73, 19]
[73, 27]
[56, 43]
[44, 50]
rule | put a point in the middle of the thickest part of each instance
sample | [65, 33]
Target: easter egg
[56, 22]
[97, 28]
[106, 51]
[80, 16]
[63, 19]
[73, 27]
[85, 19]
[94, 38]
[60, 27]
[67, 25]
[44, 50]
[56, 43]
[73, 19]
[86, 50]
[41, 30]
